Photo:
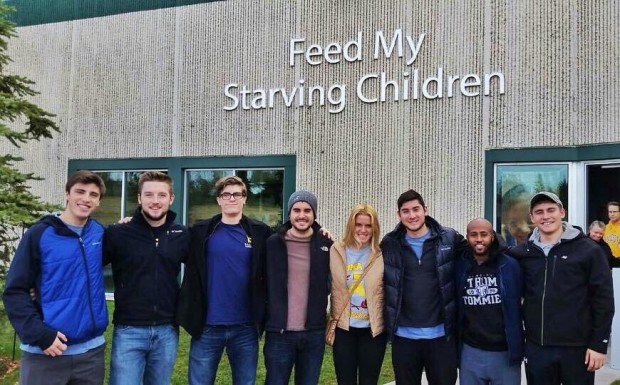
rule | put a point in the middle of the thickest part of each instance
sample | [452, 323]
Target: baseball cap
[545, 196]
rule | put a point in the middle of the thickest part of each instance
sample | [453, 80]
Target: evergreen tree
[20, 122]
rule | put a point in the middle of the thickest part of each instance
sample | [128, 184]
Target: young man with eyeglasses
[612, 229]
[222, 300]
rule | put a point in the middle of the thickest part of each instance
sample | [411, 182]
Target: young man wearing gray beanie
[297, 276]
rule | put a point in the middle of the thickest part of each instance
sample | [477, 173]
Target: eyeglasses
[613, 212]
[229, 196]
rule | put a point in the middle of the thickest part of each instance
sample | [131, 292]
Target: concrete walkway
[604, 376]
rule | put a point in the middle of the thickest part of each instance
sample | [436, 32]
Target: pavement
[603, 376]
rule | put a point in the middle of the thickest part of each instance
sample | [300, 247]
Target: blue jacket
[445, 243]
[65, 270]
[510, 282]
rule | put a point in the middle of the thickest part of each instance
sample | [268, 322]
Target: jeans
[303, 349]
[483, 367]
[143, 354]
[205, 353]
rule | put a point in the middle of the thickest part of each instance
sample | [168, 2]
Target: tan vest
[373, 285]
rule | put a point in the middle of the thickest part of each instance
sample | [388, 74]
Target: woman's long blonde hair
[349, 232]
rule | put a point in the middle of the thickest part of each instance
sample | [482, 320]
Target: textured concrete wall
[151, 83]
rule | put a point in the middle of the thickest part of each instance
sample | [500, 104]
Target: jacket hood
[570, 232]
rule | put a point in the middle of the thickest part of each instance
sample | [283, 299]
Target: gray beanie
[302, 196]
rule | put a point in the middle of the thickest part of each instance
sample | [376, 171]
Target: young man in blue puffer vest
[60, 257]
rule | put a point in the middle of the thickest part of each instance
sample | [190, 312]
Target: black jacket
[445, 243]
[568, 295]
[145, 270]
[276, 275]
[192, 309]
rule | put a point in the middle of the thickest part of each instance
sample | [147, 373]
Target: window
[515, 186]
[264, 200]
[584, 177]
[269, 180]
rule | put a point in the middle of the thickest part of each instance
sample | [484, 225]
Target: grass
[179, 375]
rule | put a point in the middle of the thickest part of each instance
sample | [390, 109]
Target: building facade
[474, 105]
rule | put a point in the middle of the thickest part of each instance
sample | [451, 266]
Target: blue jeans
[483, 367]
[205, 353]
[304, 350]
[143, 354]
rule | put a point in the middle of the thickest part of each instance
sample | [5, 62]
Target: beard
[147, 215]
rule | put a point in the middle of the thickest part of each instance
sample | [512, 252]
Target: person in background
[489, 285]
[516, 224]
[59, 257]
[595, 232]
[611, 235]
[568, 302]
[360, 341]
[297, 278]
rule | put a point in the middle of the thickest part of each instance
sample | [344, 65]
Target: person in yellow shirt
[612, 230]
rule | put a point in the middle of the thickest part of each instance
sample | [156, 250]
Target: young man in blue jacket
[568, 300]
[489, 287]
[297, 277]
[146, 255]
[60, 257]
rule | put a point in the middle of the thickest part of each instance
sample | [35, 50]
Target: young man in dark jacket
[419, 291]
[60, 257]
[146, 255]
[297, 277]
[489, 285]
[222, 300]
[568, 298]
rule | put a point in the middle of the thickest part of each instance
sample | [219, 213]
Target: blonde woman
[360, 342]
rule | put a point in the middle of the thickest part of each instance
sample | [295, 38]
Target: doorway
[603, 185]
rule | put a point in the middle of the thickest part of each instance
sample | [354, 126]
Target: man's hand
[594, 360]
[327, 234]
[58, 347]
[124, 220]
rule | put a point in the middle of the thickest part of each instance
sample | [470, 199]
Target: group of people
[447, 303]
[607, 236]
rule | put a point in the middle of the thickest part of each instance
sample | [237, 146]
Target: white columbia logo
[324, 248]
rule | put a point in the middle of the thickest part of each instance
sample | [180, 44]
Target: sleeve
[22, 311]
[601, 296]
[107, 247]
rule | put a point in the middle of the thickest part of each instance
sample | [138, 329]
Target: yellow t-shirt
[611, 235]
